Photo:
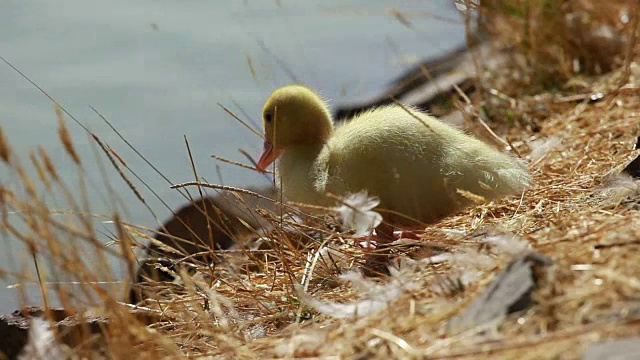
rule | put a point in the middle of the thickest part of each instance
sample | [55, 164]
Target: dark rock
[429, 86]
[72, 328]
[411, 80]
[633, 168]
[197, 230]
[510, 292]
[13, 336]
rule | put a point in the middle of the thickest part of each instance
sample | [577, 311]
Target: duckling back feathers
[413, 162]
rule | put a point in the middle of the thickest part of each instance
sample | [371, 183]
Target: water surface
[158, 69]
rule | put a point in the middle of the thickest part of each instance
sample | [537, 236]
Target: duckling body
[419, 167]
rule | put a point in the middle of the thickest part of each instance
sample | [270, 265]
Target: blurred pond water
[157, 70]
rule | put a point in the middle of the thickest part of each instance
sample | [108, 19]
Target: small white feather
[619, 188]
[541, 147]
[42, 343]
[357, 215]
[375, 296]
[506, 243]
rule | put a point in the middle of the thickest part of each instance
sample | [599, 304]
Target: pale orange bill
[269, 155]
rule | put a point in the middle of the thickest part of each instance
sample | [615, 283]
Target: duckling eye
[268, 117]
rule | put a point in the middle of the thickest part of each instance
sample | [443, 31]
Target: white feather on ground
[376, 296]
[42, 343]
[541, 147]
[619, 188]
[356, 213]
[506, 243]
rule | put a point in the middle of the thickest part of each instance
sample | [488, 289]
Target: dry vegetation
[570, 96]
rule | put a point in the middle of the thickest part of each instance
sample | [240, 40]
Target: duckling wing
[391, 155]
[414, 163]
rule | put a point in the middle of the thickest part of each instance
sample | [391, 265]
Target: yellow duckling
[421, 169]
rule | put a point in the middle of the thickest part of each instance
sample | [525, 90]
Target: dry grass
[249, 307]
[557, 40]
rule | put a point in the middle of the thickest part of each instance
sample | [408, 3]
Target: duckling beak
[269, 155]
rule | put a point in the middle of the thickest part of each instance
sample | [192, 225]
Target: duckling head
[293, 116]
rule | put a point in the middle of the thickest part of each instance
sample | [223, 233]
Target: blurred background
[157, 70]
